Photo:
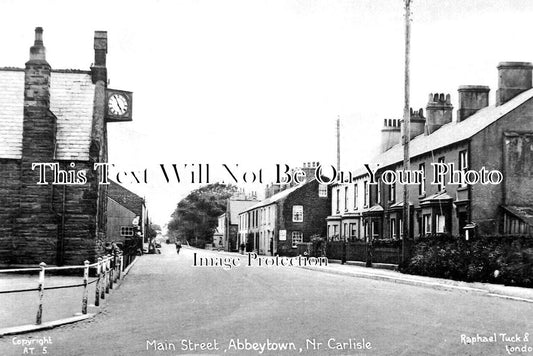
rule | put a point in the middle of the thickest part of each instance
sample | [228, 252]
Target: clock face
[117, 104]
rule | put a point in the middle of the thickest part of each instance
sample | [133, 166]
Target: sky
[262, 82]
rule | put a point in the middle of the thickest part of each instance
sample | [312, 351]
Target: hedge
[493, 259]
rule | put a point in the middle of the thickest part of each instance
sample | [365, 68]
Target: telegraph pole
[338, 143]
[406, 133]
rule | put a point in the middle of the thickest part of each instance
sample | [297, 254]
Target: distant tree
[196, 216]
[156, 227]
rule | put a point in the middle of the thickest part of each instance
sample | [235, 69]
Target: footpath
[385, 273]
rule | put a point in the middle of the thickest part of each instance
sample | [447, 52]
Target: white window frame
[297, 213]
[426, 219]
[440, 223]
[126, 231]
[297, 237]
[322, 191]
[463, 164]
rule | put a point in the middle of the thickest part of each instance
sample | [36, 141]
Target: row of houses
[59, 117]
[490, 145]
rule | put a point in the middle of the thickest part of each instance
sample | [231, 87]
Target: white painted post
[39, 318]
[107, 272]
[98, 273]
[85, 289]
[104, 278]
[120, 266]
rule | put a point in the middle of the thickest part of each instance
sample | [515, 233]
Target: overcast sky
[260, 82]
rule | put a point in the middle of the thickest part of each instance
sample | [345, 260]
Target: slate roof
[125, 197]
[452, 132]
[276, 197]
[71, 101]
[238, 206]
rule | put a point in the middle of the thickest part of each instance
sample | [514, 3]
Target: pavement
[169, 306]
[389, 274]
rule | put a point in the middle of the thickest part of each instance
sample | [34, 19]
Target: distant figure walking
[178, 247]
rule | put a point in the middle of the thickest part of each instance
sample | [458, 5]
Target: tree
[196, 216]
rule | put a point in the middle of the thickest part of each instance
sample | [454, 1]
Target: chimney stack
[99, 70]
[472, 98]
[513, 79]
[309, 169]
[439, 111]
[390, 134]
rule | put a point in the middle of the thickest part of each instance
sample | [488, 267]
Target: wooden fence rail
[109, 270]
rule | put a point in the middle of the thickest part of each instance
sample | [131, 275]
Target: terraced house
[59, 117]
[481, 138]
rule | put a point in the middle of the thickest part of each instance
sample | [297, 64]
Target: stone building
[123, 209]
[292, 216]
[52, 116]
[483, 138]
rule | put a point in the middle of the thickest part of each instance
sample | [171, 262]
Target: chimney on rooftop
[37, 51]
[472, 98]
[309, 169]
[390, 134]
[513, 79]
[99, 70]
[439, 111]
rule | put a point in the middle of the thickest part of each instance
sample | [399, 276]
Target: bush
[495, 259]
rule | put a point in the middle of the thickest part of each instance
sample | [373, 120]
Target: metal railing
[109, 270]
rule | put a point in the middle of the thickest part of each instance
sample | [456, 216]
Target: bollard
[85, 289]
[39, 318]
[98, 272]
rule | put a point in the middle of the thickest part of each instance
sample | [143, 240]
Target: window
[378, 198]
[338, 191]
[393, 228]
[366, 194]
[297, 238]
[353, 231]
[392, 192]
[375, 229]
[297, 213]
[345, 234]
[400, 227]
[322, 190]
[463, 164]
[345, 198]
[335, 231]
[440, 223]
[422, 185]
[355, 196]
[126, 231]
[427, 224]
[440, 186]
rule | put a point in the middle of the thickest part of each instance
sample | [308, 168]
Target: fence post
[107, 272]
[121, 261]
[98, 272]
[39, 318]
[111, 271]
[85, 289]
[104, 278]
[116, 266]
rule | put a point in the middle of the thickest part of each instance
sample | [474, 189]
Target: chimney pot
[438, 111]
[471, 99]
[513, 79]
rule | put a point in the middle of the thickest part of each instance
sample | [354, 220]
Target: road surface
[166, 306]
